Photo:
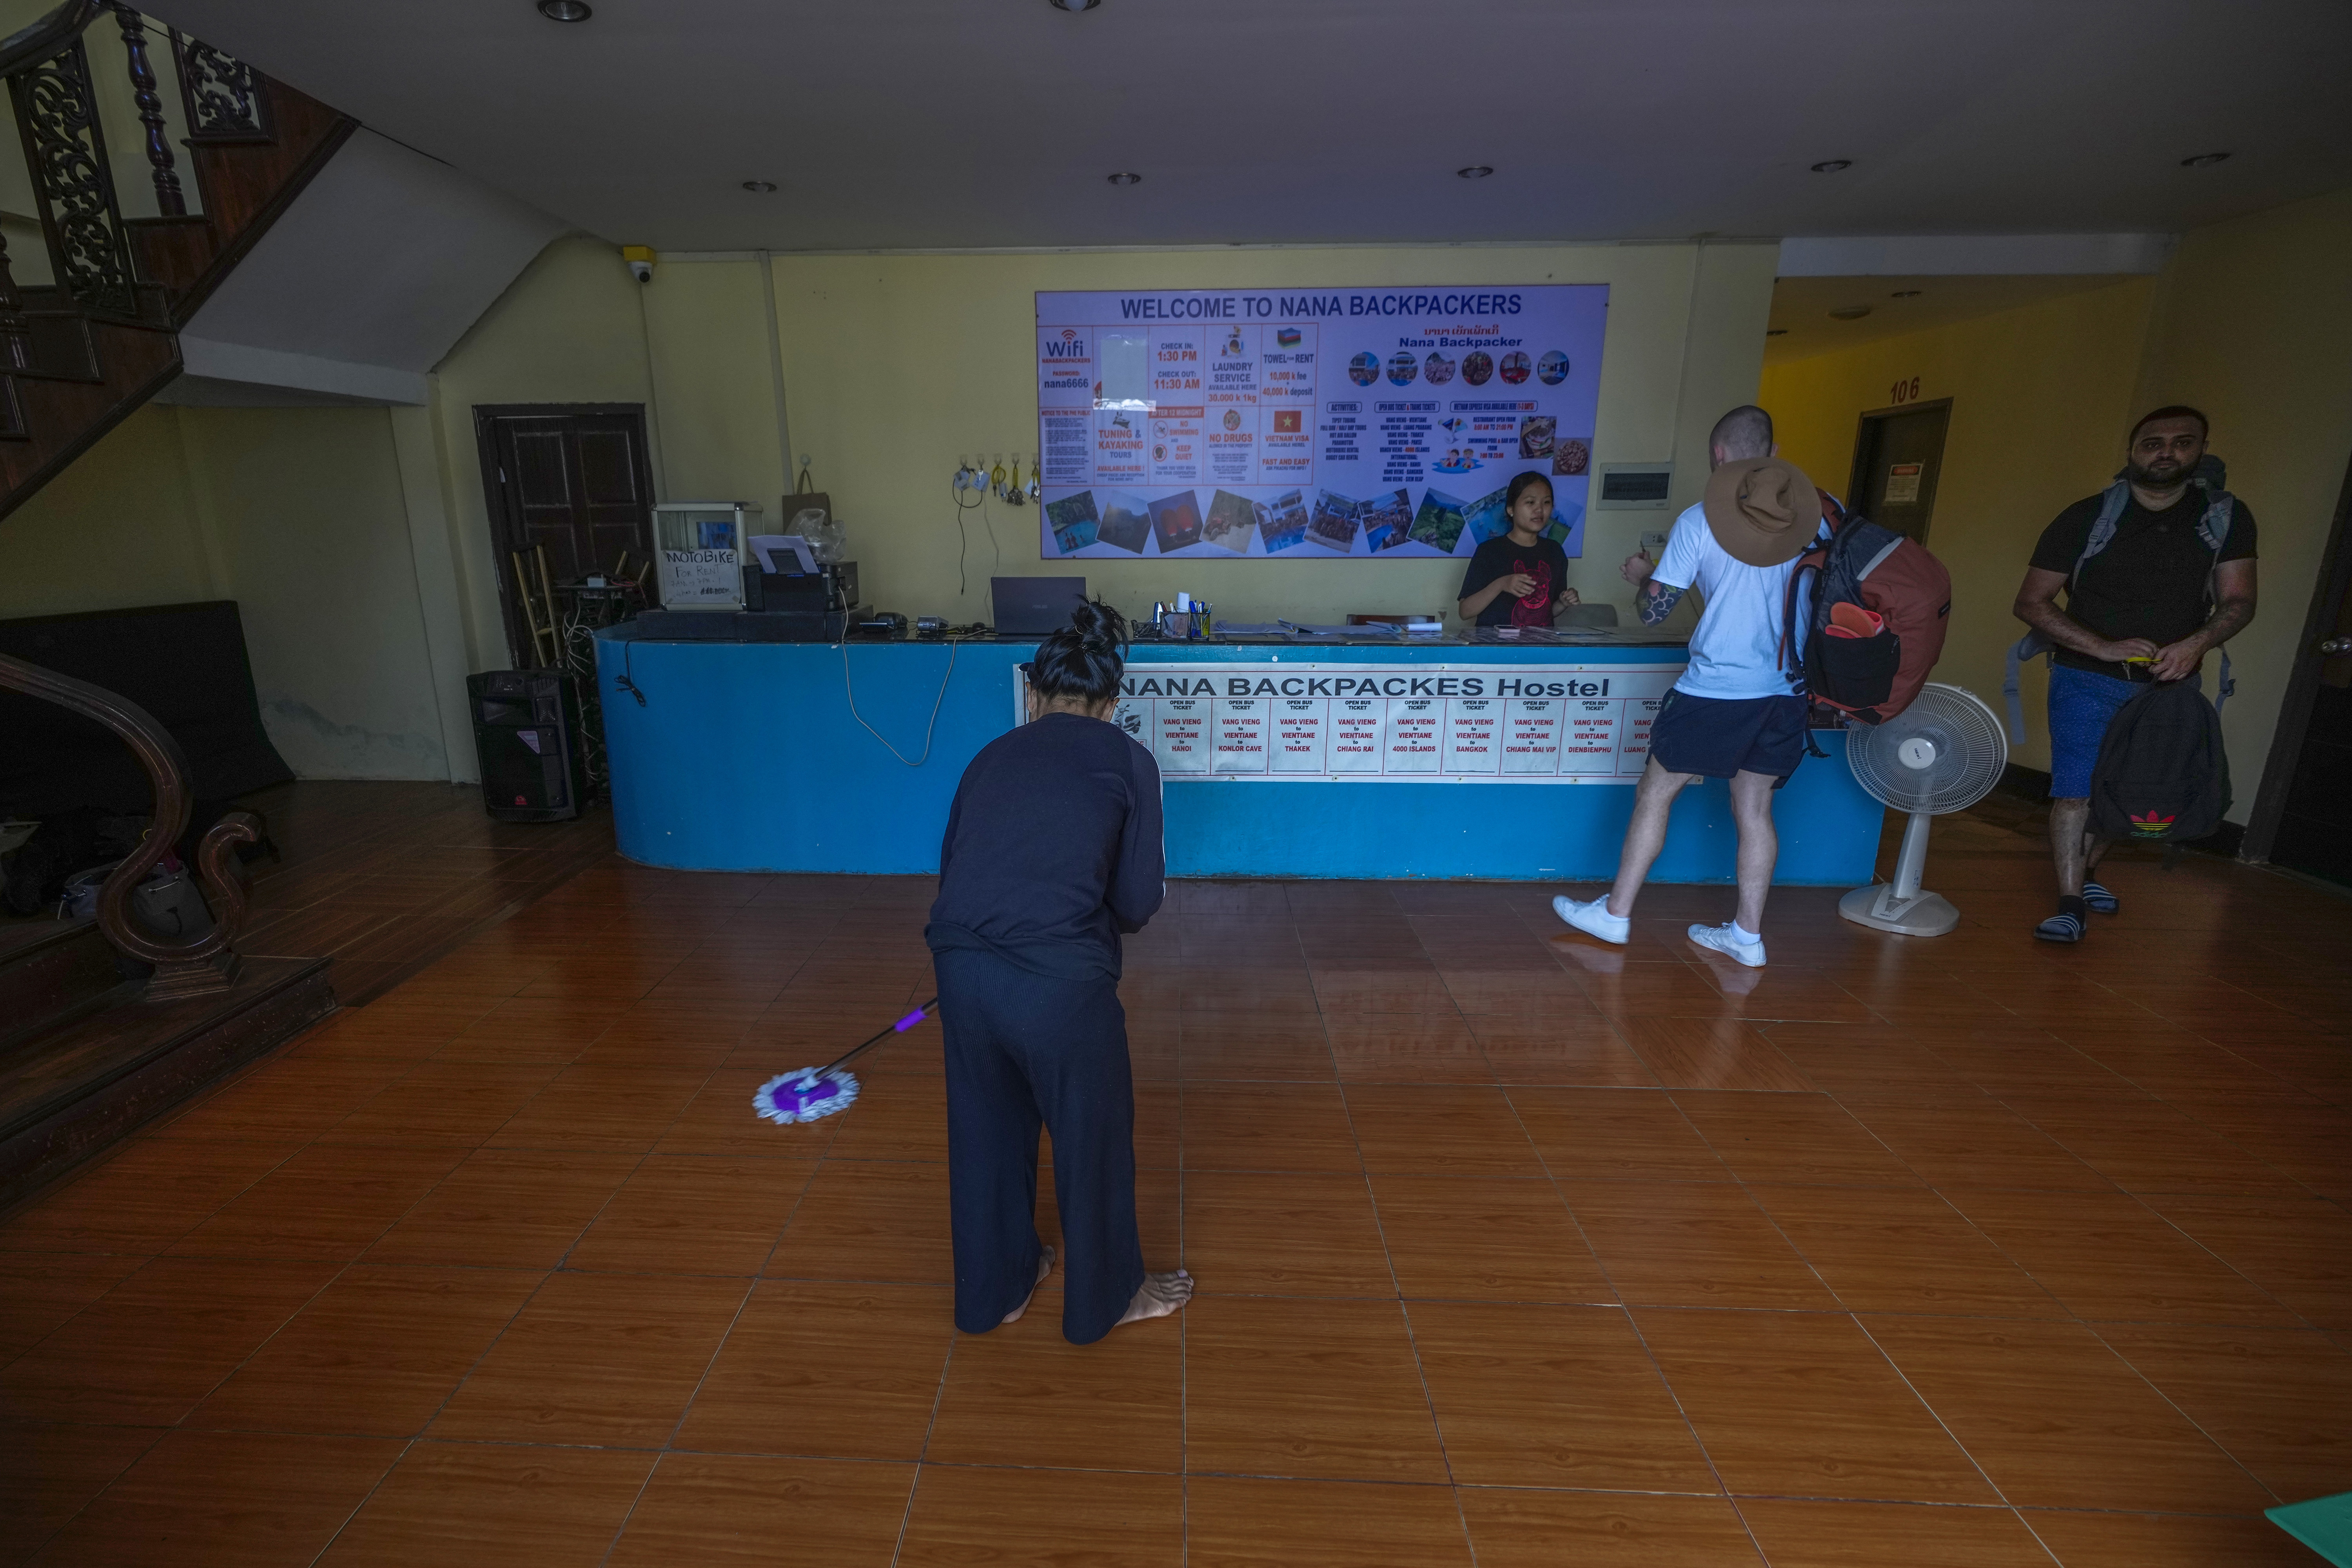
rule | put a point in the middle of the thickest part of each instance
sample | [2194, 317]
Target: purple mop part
[805, 1094]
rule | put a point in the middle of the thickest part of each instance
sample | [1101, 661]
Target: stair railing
[208, 963]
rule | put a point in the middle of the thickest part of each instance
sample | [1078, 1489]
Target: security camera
[643, 271]
[640, 259]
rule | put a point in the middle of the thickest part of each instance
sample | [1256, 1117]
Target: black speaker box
[526, 735]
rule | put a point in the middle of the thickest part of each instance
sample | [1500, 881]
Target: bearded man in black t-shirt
[2149, 605]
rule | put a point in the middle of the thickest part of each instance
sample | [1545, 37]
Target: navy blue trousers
[1025, 1051]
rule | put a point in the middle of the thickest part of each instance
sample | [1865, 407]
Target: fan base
[1927, 914]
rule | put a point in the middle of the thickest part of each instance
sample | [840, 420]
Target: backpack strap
[2024, 648]
[2112, 502]
[2213, 528]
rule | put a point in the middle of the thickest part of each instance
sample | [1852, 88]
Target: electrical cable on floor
[851, 691]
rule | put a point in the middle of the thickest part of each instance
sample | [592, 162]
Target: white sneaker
[1594, 919]
[1719, 938]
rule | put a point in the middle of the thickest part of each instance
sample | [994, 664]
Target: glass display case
[700, 547]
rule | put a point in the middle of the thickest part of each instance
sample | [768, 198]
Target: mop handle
[900, 1027]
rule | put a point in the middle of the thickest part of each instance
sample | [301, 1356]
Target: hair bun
[1099, 625]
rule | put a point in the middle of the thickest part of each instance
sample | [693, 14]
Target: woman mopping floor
[1053, 851]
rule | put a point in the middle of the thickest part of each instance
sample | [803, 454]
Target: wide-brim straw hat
[1762, 510]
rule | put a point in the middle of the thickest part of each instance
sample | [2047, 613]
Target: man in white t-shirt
[1735, 713]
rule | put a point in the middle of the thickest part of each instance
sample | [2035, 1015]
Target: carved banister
[169, 201]
[209, 962]
[48, 35]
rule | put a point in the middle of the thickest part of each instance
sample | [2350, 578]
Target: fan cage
[1972, 750]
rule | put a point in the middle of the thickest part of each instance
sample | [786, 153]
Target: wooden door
[571, 478]
[2306, 816]
[1899, 455]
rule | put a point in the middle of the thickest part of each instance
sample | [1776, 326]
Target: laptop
[1034, 607]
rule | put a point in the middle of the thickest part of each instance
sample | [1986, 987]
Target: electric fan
[1943, 753]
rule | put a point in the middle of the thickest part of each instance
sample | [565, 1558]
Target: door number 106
[1905, 391]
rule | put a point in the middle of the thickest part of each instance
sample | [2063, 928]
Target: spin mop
[806, 1093]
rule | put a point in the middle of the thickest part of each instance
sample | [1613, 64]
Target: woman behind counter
[1520, 579]
[1053, 851]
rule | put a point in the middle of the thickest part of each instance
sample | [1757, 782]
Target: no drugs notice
[1550, 724]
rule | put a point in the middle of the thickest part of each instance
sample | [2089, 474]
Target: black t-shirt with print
[1543, 561]
[2150, 580]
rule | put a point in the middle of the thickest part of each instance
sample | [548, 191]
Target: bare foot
[1158, 1296]
[1044, 1266]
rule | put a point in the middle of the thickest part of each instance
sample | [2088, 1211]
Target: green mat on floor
[2323, 1524]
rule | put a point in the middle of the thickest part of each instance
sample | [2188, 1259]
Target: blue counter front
[749, 757]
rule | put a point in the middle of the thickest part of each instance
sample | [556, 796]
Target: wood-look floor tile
[1799, 1534]
[1606, 1529]
[2110, 1540]
[460, 1104]
[964, 1515]
[1793, 1138]
[1022, 1394]
[2058, 1420]
[726, 1511]
[146, 1351]
[1440, 1130]
[1268, 1127]
[595, 1358]
[1284, 1233]
[694, 1214]
[819, 1368]
[331, 1202]
[2297, 1249]
[1581, 1051]
[40, 1290]
[148, 1194]
[616, 1110]
[1975, 1142]
[1801, 1405]
[1627, 1134]
[1902, 1249]
[1406, 1048]
[870, 1220]
[1692, 1244]
[294, 1098]
[1237, 1522]
[2274, 1398]
[244, 1497]
[506, 1208]
[1726, 1054]
[2106, 1255]
[1285, 1048]
[377, 1352]
[1306, 1387]
[1532, 1395]
[899, 1118]
[47, 1472]
[1485, 1238]
[2144, 1146]
[498, 1503]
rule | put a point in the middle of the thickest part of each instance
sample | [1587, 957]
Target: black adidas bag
[2162, 775]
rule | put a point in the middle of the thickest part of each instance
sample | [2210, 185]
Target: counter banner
[1312, 424]
[1282, 720]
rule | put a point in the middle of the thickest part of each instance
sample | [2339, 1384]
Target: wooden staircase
[77, 355]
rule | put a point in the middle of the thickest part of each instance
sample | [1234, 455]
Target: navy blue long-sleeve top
[1053, 849]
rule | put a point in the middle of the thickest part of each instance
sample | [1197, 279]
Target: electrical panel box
[700, 548]
[1633, 486]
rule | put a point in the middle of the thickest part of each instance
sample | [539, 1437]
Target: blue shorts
[2080, 704]
[1719, 736]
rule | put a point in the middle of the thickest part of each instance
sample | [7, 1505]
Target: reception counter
[1350, 757]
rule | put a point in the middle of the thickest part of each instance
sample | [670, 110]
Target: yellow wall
[2040, 399]
[2254, 325]
[2251, 321]
[897, 365]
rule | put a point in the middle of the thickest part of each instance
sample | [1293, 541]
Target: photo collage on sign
[1312, 424]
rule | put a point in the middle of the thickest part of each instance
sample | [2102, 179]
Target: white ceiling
[962, 123]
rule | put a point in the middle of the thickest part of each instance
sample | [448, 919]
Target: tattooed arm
[1653, 601]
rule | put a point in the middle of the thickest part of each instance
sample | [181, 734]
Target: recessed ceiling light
[565, 10]
[2204, 160]
[1126, 178]
[1832, 165]
[1849, 312]
[1476, 170]
[761, 187]
[1904, 294]
[1075, 5]
[1776, 331]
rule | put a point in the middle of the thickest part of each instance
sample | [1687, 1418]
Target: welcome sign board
[1311, 424]
[1469, 723]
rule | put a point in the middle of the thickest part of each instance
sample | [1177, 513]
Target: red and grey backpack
[1868, 610]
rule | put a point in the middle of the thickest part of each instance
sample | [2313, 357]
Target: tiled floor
[1513, 1249]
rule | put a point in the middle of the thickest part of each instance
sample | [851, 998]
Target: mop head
[803, 1095]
